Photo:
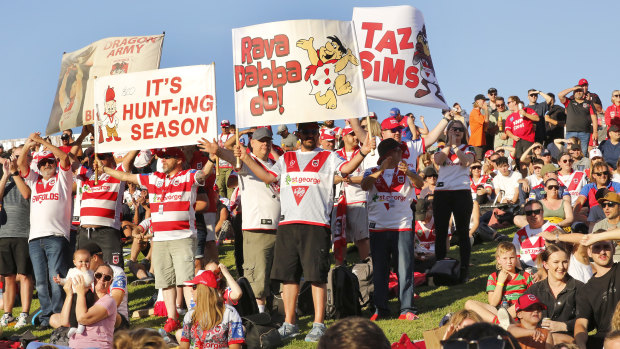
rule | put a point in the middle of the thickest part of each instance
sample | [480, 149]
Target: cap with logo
[394, 112]
[526, 301]
[583, 82]
[225, 123]
[328, 135]
[390, 123]
[595, 152]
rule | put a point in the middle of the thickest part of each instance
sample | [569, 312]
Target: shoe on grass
[317, 331]
[503, 317]
[287, 331]
[6, 319]
[22, 320]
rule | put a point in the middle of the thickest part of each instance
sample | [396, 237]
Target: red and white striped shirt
[101, 203]
[306, 185]
[172, 201]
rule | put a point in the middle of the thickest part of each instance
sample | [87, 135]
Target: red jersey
[520, 126]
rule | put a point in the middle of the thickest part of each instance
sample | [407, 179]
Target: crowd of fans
[405, 193]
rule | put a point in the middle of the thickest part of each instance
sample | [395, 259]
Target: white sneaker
[503, 317]
[6, 319]
[22, 320]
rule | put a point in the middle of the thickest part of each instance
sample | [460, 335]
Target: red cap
[225, 123]
[583, 82]
[488, 154]
[204, 277]
[526, 301]
[328, 135]
[346, 131]
[109, 94]
[390, 123]
[45, 155]
[174, 151]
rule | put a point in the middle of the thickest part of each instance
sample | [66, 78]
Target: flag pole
[369, 130]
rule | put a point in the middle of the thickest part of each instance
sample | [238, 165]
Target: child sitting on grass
[504, 287]
[527, 331]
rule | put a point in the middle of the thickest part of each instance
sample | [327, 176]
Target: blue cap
[394, 111]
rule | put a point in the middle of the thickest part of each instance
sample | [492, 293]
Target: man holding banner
[306, 178]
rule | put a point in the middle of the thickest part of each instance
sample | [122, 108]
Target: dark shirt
[564, 307]
[15, 213]
[541, 109]
[556, 113]
[598, 299]
[611, 153]
[578, 116]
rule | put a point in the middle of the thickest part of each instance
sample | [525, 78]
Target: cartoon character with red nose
[110, 121]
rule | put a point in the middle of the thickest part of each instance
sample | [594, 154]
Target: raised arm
[128, 160]
[533, 117]
[562, 94]
[258, 170]
[357, 128]
[63, 158]
[432, 136]
[354, 163]
[213, 148]
[120, 175]
[23, 162]
[424, 130]
[23, 188]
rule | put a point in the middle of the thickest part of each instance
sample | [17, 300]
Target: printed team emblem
[115, 258]
[315, 162]
[299, 192]
[119, 67]
[585, 105]
[159, 183]
[199, 166]
[575, 180]
[292, 163]
[401, 179]
[175, 182]
[52, 182]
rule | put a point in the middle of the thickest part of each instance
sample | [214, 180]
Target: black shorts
[109, 239]
[301, 248]
[15, 256]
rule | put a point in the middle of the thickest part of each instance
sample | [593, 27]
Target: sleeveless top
[548, 212]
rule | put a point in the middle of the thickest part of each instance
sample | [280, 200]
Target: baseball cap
[548, 168]
[225, 123]
[281, 129]
[308, 125]
[372, 115]
[488, 154]
[545, 152]
[582, 82]
[261, 133]
[385, 147]
[614, 128]
[205, 277]
[480, 96]
[45, 155]
[175, 152]
[610, 196]
[595, 152]
[526, 301]
[328, 135]
[390, 123]
[394, 111]
[492, 90]
[346, 131]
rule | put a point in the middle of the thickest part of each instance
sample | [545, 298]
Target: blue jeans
[384, 246]
[48, 257]
[584, 137]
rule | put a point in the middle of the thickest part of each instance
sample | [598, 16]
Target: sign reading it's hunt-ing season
[155, 109]
[73, 102]
[395, 55]
[297, 71]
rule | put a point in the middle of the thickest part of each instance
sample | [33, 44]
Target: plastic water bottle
[163, 333]
[505, 304]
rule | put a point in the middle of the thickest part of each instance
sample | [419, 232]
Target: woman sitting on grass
[504, 287]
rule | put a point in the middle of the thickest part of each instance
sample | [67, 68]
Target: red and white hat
[204, 277]
[346, 131]
[44, 155]
[390, 123]
[526, 301]
[582, 82]
[328, 135]
[225, 123]
[109, 94]
[488, 154]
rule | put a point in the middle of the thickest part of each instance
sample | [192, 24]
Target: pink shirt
[101, 333]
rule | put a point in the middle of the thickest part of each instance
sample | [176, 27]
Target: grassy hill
[433, 304]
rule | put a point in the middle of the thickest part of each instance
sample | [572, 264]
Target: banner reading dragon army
[297, 71]
[73, 101]
[395, 57]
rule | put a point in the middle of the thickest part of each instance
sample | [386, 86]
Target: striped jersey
[306, 185]
[389, 201]
[354, 192]
[50, 203]
[528, 244]
[172, 201]
[514, 288]
[101, 203]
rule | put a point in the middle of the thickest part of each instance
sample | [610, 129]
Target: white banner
[155, 109]
[73, 101]
[297, 71]
[395, 56]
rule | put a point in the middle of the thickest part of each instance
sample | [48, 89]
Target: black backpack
[260, 332]
[247, 303]
[343, 294]
[445, 272]
[363, 271]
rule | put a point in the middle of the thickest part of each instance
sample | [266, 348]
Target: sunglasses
[554, 187]
[596, 248]
[500, 105]
[476, 167]
[492, 93]
[533, 94]
[106, 278]
[568, 161]
[432, 176]
[167, 156]
[601, 174]
[533, 212]
[44, 162]
[499, 342]
[363, 127]
[457, 129]
[394, 130]
[617, 96]
[609, 204]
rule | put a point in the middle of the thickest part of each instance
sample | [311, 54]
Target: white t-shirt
[453, 176]
[260, 202]
[528, 244]
[354, 192]
[389, 201]
[50, 203]
[306, 185]
[425, 236]
[509, 184]
[222, 138]
[533, 180]
[579, 271]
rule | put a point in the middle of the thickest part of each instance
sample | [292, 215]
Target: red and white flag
[339, 230]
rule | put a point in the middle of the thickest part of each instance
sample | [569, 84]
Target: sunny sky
[510, 45]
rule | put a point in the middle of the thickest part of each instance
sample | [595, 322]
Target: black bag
[343, 294]
[445, 272]
[363, 271]
[247, 303]
[305, 303]
[260, 332]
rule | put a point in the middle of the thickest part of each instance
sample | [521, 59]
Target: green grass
[434, 303]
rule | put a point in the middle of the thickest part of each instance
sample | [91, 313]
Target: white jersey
[354, 192]
[453, 176]
[389, 201]
[119, 282]
[222, 138]
[101, 202]
[260, 202]
[573, 183]
[533, 181]
[528, 244]
[172, 201]
[50, 203]
[306, 185]
[425, 236]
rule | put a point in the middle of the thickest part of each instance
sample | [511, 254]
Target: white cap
[594, 152]
[281, 129]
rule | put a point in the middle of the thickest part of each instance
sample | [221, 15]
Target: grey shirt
[289, 141]
[581, 164]
[15, 213]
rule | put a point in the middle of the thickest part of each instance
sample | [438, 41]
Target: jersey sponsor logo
[301, 180]
[45, 197]
[299, 192]
[372, 225]
[99, 189]
[173, 197]
[266, 221]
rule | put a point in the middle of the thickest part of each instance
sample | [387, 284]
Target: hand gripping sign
[297, 71]
[395, 56]
[73, 102]
[154, 109]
